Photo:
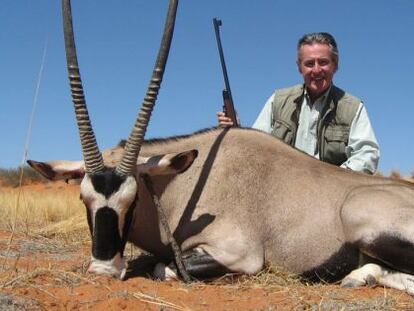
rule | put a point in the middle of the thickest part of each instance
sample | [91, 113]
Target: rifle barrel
[217, 23]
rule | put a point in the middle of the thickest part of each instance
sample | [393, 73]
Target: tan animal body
[235, 199]
[245, 198]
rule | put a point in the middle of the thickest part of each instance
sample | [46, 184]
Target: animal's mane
[155, 141]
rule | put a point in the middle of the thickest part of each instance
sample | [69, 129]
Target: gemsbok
[235, 199]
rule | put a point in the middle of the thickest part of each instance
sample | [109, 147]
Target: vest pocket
[336, 139]
[337, 133]
[283, 131]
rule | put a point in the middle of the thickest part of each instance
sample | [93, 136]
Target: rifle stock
[228, 106]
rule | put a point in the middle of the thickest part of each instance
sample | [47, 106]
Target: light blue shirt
[362, 151]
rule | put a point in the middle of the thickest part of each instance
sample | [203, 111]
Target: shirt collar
[320, 99]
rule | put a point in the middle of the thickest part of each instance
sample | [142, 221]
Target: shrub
[10, 177]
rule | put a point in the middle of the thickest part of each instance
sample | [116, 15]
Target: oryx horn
[133, 145]
[91, 154]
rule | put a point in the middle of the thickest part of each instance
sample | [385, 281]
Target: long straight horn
[91, 154]
[133, 145]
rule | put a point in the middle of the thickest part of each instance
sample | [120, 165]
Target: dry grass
[52, 213]
[315, 296]
[270, 277]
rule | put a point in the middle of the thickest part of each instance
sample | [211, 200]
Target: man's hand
[223, 121]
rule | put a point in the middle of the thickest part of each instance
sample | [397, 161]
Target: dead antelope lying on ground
[236, 199]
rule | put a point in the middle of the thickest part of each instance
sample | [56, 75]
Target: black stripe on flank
[107, 182]
[106, 241]
[393, 251]
[336, 267]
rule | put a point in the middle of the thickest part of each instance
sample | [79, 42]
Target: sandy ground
[39, 273]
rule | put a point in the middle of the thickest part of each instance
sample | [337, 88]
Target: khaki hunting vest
[333, 126]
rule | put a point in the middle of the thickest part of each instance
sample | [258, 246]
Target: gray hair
[321, 38]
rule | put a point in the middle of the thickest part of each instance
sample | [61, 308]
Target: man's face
[317, 67]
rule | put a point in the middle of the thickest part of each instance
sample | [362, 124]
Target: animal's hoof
[371, 280]
[164, 273]
[352, 283]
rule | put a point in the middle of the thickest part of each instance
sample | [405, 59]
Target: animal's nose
[115, 267]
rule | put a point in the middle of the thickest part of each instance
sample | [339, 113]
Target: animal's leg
[394, 249]
[228, 249]
[366, 275]
[382, 229]
[371, 274]
[198, 263]
[398, 280]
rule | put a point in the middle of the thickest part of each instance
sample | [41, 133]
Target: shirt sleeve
[264, 120]
[363, 150]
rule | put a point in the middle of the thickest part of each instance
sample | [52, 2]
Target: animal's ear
[170, 163]
[59, 169]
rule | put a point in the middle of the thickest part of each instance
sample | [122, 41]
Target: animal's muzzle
[115, 267]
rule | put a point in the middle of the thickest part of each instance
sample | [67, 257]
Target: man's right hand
[223, 121]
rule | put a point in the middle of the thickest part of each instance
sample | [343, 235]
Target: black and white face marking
[110, 200]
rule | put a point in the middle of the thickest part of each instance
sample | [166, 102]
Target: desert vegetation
[14, 177]
[56, 210]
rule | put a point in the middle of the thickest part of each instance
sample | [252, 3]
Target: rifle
[228, 106]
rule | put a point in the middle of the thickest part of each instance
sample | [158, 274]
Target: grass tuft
[53, 212]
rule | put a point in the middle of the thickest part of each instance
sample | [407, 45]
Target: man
[318, 117]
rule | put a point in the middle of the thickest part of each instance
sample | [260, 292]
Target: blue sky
[117, 43]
